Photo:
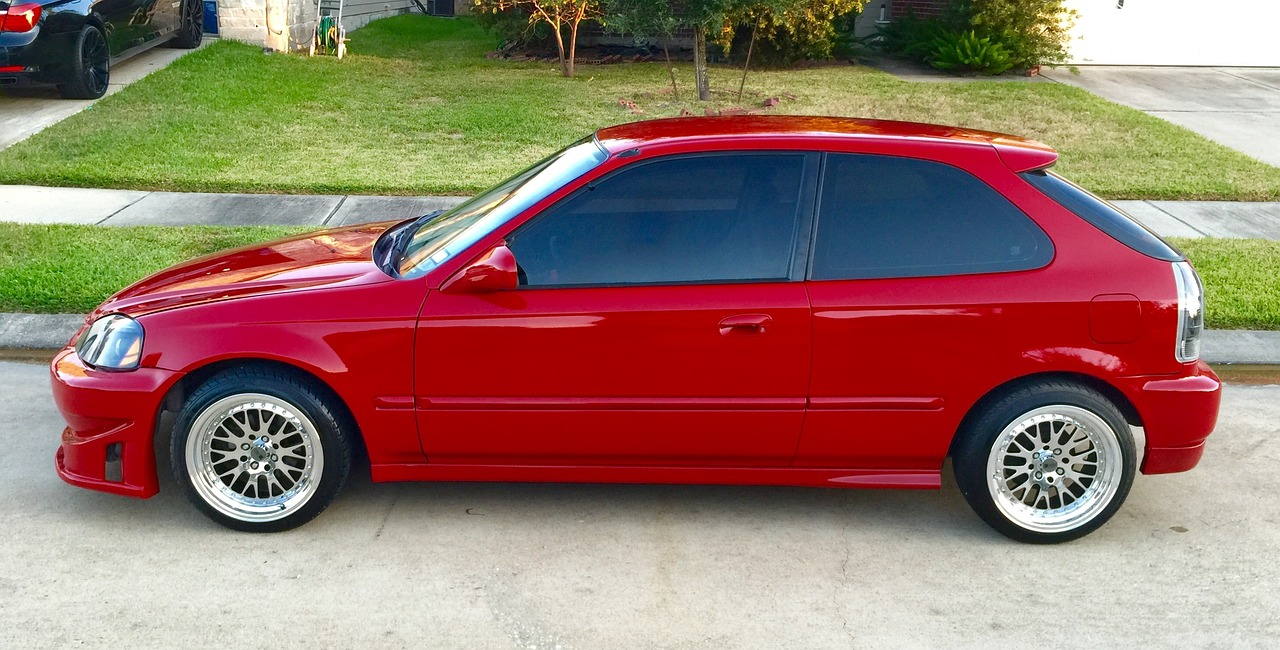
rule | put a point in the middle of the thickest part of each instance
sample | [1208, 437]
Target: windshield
[438, 239]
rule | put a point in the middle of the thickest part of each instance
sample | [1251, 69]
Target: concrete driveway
[1189, 560]
[27, 111]
[1237, 107]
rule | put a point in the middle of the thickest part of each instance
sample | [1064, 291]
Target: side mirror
[493, 271]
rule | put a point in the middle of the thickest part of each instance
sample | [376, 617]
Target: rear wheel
[191, 26]
[258, 450]
[1048, 463]
[90, 66]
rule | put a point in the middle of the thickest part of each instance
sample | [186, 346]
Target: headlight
[113, 342]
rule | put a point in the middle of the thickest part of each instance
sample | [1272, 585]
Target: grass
[1241, 276]
[55, 269]
[416, 108]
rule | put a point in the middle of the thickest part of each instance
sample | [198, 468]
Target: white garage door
[1176, 32]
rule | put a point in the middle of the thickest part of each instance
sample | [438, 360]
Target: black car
[74, 43]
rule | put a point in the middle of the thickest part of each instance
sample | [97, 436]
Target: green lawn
[416, 108]
[1241, 275]
[52, 269]
[1241, 278]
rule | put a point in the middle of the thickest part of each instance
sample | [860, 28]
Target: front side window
[704, 218]
[888, 217]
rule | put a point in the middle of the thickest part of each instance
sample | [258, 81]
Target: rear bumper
[108, 443]
[37, 57]
[1178, 414]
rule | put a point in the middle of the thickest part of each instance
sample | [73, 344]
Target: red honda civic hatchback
[753, 300]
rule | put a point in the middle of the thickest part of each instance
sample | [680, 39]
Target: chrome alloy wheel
[1055, 468]
[254, 457]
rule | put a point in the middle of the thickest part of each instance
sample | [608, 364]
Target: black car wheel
[90, 66]
[191, 31]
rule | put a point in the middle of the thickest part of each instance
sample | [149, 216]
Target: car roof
[1019, 154]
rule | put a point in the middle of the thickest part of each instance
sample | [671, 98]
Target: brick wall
[920, 8]
[277, 24]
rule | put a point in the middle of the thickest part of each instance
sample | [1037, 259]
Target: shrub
[1028, 32]
[968, 52]
[1033, 31]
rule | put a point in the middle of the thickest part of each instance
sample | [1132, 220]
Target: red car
[757, 300]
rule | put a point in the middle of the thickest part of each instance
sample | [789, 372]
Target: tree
[557, 14]
[652, 18]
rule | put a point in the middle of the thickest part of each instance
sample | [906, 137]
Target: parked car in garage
[758, 300]
[74, 43]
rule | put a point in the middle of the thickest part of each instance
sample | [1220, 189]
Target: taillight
[20, 18]
[1190, 311]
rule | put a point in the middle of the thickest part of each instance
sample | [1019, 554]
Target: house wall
[288, 25]
[358, 13]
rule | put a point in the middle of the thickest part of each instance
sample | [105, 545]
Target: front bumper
[108, 444]
[1178, 414]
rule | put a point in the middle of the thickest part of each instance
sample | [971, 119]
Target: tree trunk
[700, 64]
[675, 92]
[573, 45]
[564, 63]
[746, 66]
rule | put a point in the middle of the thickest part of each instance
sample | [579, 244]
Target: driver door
[659, 322]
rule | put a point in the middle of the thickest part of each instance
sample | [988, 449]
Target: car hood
[329, 258]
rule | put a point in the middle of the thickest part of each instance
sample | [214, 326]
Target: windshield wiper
[399, 240]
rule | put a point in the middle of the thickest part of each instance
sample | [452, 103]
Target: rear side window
[708, 218]
[1102, 215]
[888, 217]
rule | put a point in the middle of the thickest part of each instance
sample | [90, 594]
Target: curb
[52, 331]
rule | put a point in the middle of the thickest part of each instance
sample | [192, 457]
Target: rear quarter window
[1104, 216]
[889, 217]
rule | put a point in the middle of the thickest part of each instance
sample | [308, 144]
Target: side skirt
[804, 477]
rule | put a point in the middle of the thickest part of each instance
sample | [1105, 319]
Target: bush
[1033, 31]
[1028, 32]
[513, 29]
[915, 37]
[968, 52]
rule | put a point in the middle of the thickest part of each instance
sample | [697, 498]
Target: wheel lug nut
[254, 464]
[245, 446]
[274, 458]
[1039, 475]
[1057, 451]
[1061, 471]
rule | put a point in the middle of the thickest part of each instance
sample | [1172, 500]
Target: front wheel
[259, 450]
[1048, 463]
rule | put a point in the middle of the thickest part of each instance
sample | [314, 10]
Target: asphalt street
[1189, 560]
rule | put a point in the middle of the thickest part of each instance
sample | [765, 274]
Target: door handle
[745, 324]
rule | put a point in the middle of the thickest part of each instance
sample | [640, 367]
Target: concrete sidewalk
[33, 204]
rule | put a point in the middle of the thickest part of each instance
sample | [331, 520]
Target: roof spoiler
[1021, 155]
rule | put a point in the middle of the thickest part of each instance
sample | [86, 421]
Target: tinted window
[688, 219]
[1103, 216]
[885, 217]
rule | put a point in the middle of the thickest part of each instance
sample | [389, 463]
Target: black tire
[1063, 431]
[90, 69]
[218, 434]
[190, 26]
